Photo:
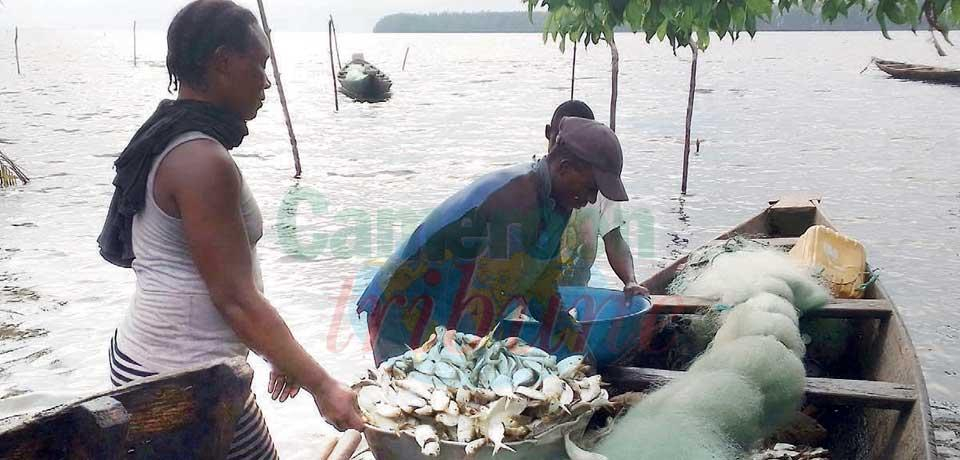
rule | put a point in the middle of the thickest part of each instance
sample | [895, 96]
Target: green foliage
[682, 22]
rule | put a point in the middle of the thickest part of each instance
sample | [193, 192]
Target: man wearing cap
[492, 244]
[601, 219]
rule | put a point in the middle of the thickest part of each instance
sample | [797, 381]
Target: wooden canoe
[186, 415]
[919, 72]
[363, 82]
[886, 410]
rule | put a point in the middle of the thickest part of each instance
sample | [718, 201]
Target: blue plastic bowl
[612, 327]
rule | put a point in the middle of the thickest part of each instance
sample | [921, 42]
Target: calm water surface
[786, 112]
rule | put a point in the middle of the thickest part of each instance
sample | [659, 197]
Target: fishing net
[750, 381]
[769, 365]
[665, 435]
[746, 321]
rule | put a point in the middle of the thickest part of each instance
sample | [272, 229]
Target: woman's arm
[205, 187]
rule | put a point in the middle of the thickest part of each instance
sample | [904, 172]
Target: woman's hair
[197, 31]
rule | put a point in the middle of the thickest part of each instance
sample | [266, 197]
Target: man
[601, 219]
[495, 242]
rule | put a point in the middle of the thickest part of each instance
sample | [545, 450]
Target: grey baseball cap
[596, 144]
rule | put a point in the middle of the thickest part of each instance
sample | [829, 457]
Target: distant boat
[363, 82]
[919, 72]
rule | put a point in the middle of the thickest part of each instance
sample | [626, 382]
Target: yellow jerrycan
[843, 260]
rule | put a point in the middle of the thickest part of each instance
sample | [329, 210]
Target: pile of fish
[783, 451]
[475, 390]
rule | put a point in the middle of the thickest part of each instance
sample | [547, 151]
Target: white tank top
[172, 322]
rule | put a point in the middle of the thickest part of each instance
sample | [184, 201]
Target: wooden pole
[686, 140]
[333, 72]
[336, 44]
[16, 46]
[573, 71]
[615, 76]
[405, 54]
[283, 98]
[134, 43]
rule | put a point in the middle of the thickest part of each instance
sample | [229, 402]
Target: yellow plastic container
[843, 260]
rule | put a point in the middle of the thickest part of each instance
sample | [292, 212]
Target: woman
[184, 219]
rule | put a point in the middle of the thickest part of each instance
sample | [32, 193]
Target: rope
[874, 276]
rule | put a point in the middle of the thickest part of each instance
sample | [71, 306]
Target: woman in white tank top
[193, 239]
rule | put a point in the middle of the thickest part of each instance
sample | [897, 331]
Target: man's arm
[621, 261]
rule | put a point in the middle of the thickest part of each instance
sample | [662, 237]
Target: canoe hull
[373, 87]
[919, 73]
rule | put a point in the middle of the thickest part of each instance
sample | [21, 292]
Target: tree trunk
[615, 75]
[573, 71]
[283, 98]
[686, 141]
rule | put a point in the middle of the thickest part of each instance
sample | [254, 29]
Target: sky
[350, 15]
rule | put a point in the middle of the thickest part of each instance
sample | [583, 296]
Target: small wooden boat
[363, 82]
[919, 72]
[883, 410]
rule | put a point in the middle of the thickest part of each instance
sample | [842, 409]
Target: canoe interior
[881, 350]
[186, 415]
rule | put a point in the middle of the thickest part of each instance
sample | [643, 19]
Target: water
[786, 112]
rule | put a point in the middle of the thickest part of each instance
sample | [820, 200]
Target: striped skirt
[251, 438]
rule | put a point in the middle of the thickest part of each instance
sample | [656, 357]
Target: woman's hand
[337, 404]
[281, 386]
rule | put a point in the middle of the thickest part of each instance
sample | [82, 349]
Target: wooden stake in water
[573, 71]
[336, 44]
[615, 76]
[333, 72]
[134, 43]
[16, 46]
[405, 54]
[686, 140]
[283, 98]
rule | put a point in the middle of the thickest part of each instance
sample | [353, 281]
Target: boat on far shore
[919, 72]
[364, 82]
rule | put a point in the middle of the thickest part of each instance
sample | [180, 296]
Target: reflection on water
[784, 113]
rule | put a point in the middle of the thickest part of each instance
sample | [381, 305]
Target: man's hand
[633, 288]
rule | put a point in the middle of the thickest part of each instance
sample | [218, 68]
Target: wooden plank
[797, 200]
[832, 392]
[837, 308]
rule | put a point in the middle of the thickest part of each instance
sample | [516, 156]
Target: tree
[691, 22]
[683, 22]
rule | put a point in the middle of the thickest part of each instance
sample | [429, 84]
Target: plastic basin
[611, 326]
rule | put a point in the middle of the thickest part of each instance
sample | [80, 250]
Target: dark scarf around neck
[171, 119]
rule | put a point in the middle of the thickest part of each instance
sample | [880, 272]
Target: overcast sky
[351, 15]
